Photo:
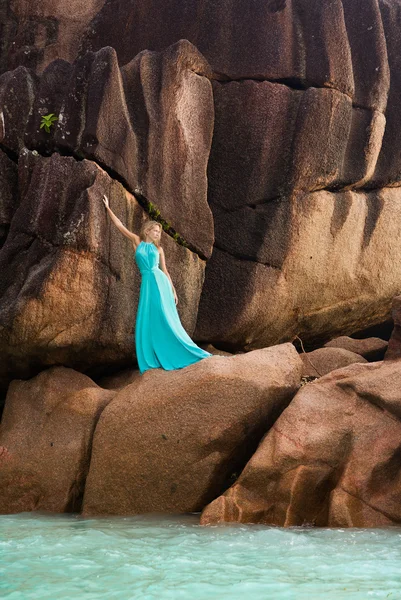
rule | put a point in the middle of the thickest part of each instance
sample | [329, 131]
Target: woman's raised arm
[132, 236]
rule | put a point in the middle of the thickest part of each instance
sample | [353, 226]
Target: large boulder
[315, 265]
[69, 285]
[45, 441]
[371, 348]
[173, 441]
[324, 360]
[331, 459]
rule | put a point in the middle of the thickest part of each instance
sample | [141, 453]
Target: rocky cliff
[264, 136]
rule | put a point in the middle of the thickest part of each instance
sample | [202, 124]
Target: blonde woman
[160, 339]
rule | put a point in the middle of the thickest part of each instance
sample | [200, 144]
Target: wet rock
[331, 459]
[171, 441]
[45, 441]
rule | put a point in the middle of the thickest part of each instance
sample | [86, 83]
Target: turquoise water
[69, 558]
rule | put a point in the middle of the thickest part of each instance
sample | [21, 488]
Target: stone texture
[17, 95]
[298, 40]
[307, 42]
[8, 194]
[324, 360]
[149, 123]
[45, 441]
[326, 264]
[271, 141]
[370, 348]
[394, 345]
[171, 441]
[331, 459]
[69, 284]
[37, 33]
[388, 167]
[119, 380]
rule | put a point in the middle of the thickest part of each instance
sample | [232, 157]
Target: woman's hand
[175, 296]
[105, 201]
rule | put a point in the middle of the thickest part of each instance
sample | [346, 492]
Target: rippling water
[72, 558]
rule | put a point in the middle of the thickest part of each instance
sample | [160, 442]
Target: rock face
[305, 153]
[331, 459]
[69, 284]
[45, 441]
[8, 194]
[264, 136]
[35, 33]
[149, 123]
[171, 441]
[310, 277]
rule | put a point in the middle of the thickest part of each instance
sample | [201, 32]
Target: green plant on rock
[154, 213]
[47, 121]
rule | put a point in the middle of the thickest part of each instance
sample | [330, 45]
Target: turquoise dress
[161, 341]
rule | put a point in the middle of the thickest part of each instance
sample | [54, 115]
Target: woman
[161, 341]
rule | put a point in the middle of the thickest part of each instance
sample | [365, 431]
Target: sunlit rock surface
[45, 441]
[331, 459]
[172, 440]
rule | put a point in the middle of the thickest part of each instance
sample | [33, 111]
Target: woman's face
[154, 233]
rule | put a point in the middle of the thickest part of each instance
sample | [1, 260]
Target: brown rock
[308, 274]
[324, 360]
[171, 441]
[302, 41]
[331, 459]
[119, 380]
[69, 284]
[388, 166]
[46, 437]
[394, 345]
[367, 40]
[370, 348]
[215, 351]
[270, 141]
[17, 94]
[8, 194]
[149, 123]
[38, 32]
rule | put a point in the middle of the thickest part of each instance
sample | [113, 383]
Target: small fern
[47, 121]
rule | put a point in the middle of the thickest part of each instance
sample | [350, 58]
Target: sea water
[59, 557]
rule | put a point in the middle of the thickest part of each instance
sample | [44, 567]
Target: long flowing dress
[161, 341]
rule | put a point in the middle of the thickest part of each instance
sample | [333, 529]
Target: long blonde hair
[145, 227]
